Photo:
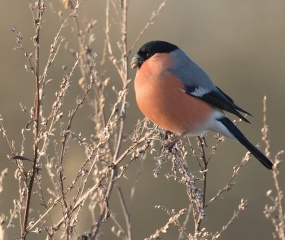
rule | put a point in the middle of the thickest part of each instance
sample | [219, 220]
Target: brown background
[240, 44]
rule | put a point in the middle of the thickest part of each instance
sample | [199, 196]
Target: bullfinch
[175, 93]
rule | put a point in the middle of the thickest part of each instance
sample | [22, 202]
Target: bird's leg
[165, 135]
[203, 140]
[171, 144]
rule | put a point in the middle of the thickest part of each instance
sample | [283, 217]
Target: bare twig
[40, 6]
[274, 212]
[242, 206]
[173, 220]
[150, 21]
[202, 215]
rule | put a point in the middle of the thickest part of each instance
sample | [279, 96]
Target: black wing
[217, 98]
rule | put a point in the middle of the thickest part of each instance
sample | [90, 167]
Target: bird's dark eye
[148, 55]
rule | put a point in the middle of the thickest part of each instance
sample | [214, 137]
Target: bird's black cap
[151, 48]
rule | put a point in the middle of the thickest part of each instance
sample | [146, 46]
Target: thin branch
[104, 174]
[242, 206]
[203, 170]
[149, 22]
[37, 24]
[126, 213]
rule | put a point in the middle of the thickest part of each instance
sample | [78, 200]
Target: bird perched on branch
[176, 94]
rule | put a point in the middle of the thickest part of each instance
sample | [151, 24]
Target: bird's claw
[169, 146]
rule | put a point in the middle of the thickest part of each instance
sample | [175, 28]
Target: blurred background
[240, 44]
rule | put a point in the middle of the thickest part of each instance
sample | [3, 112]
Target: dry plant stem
[123, 72]
[3, 130]
[150, 21]
[231, 182]
[173, 220]
[124, 79]
[108, 42]
[95, 228]
[105, 174]
[125, 211]
[90, 191]
[92, 154]
[37, 25]
[83, 57]
[9, 143]
[242, 206]
[125, 64]
[204, 171]
[64, 148]
[264, 130]
[280, 226]
[55, 47]
[187, 218]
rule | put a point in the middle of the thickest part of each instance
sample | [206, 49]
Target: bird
[173, 92]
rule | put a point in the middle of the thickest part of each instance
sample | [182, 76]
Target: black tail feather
[243, 140]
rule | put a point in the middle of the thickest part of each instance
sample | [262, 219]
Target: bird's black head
[149, 49]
